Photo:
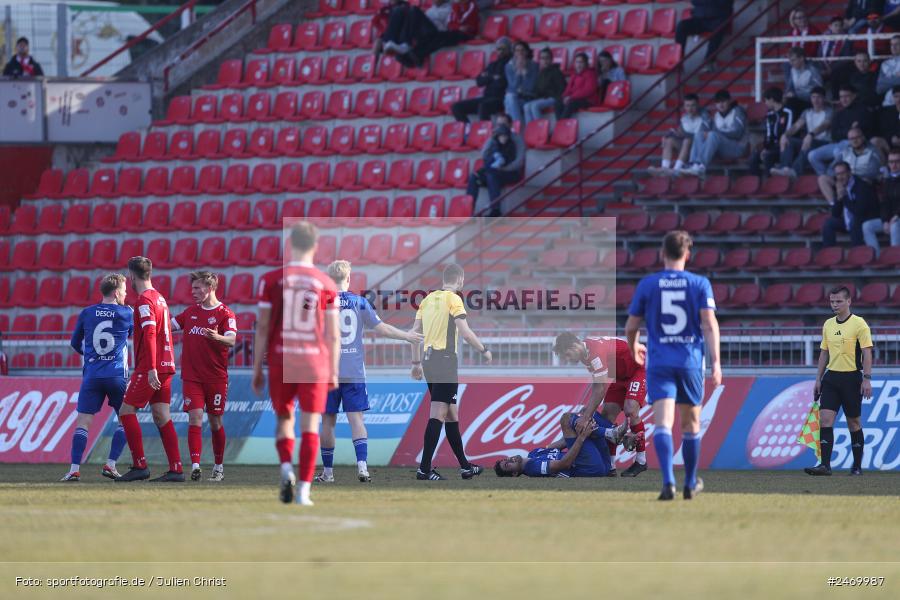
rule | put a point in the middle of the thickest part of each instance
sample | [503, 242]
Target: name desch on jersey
[101, 335]
[355, 317]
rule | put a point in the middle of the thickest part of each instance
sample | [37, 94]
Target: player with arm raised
[151, 381]
[351, 395]
[101, 335]
[679, 310]
[298, 326]
[619, 382]
[210, 330]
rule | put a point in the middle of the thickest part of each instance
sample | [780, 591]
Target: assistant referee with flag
[844, 378]
[440, 316]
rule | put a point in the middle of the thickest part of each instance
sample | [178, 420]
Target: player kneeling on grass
[579, 454]
[210, 330]
[101, 335]
[351, 395]
[619, 382]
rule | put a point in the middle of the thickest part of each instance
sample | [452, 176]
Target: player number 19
[669, 298]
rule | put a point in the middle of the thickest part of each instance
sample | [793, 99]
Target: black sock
[857, 442]
[432, 435]
[456, 443]
[826, 441]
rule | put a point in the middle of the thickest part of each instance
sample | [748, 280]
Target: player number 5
[669, 298]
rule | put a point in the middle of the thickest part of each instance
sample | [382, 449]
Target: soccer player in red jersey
[298, 325]
[151, 380]
[210, 329]
[627, 391]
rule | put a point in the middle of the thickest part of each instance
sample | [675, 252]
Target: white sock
[195, 466]
[303, 489]
[329, 471]
[111, 464]
[641, 458]
[73, 468]
[218, 467]
[286, 470]
[362, 466]
[610, 434]
[666, 163]
[679, 164]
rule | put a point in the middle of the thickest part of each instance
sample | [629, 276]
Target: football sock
[170, 445]
[666, 163]
[218, 444]
[826, 441]
[79, 443]
[287, 469]
[303, 487]
[679, 164]
[451, 428]
[361, 446]
[432, 435]
[638, 430]
[690, 450]
[857, 441]
[309, 445]
[327, 458]
[135, 440]
[285, 447]
[641, 458]
[117, 445]
[662, 443]
[195, 443]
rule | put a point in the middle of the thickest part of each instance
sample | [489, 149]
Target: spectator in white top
[802, 78]
[816, 122]
[889, 73]
[863, 158]
[439, 14]
[728, 138]
[680, 140]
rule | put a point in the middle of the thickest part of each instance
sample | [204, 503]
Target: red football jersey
[299, 295]
[202, 359]
[606, 351]
[152, 337]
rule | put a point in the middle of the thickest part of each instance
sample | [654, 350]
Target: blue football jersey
[538, 462]
[101, 335]
[356, 315]
[670, 302]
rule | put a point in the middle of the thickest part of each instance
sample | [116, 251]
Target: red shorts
[311, 394]
[139, 393]
[629, 389]
[211, 396]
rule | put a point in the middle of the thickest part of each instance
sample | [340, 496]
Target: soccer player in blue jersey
[356, 315]
[584, 453]
[679, 309]
[101, 335]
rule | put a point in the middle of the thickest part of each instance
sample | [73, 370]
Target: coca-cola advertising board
[504, 418]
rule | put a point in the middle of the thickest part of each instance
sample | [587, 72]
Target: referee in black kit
[440, 316]
[847, 354]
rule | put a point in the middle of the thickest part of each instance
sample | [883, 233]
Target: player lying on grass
[619, 382]
[579, 454]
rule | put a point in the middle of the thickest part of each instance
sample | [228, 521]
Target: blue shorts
[94, 391]
[352, 397]
[593, 459]
[684, 385]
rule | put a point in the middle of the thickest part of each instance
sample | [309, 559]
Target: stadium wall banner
[79, 111]
[505, 418]
[37, 418]
[765, 429]
[21, 111]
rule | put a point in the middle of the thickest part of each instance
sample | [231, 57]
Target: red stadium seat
[184, 253]
[78, 291]
[279, 39]
[241, 291]
[128, 148]
[396, 138]
[50, 293]
[725, 223]
[183, 181]
[306, 37]
[130, 247]
[403, 210]
[550, 27]
[683, 187]
[346, 175]
[360, 34]
[393, 103]
[338, 106]
[76, 184]
[471, 63]
[326, 251]
[786, 223]
[367, 104]
[696, 222]
[268, 251]
[634, 24]
[240, 252]
[446, 98]
[295, 208]
[181, 146]
[229, 77]
[318, 177]
[494, 28]
[321, 209]
[808, 294]
[105, 254]
[734, 260]
[334, 36]
[776, 295]
[158, 251]
[256, 74]
[479, 134]
[210, 216]
[889, 258]
[743, 187]
[704, 259]
[24, 220]
[644, 259]
[444, 65]
[537, 134]
[231, 109]
[665, 222]
[640, 59]
[765, 259]
[177, 113]
[452, 137]
[236, 180]
[814, 224]
[313, 105]
[607, 26]
[428, 175]
[631, 223]
[578, 26]
[181, 293]
[424, 138]
[51, 256]
[49, 186]
[774, 187]
[456, 173]
[209, 181]
[78, 254]
[375, 212]
[261, 142]
[24, 256]
[873, 294]
[50, 220]
[624, 294]
[757, 224]
[858, 258]
[745, 295]
[618, 96]
[22, 360]
[24, 294]
[204, 111]
[461, 207]
[237, 215]
[373, 174]
[378, 252]
[77, 219]
[262, 179]
[207, 145]
[389, 70]
[653, 187]
[284, 72]
[827, 258]
[259, 108]
[805, 186]
[795, 259]
[667, 58]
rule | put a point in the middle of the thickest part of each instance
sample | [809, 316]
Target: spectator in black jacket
[707, 16]
[861, 76]
[779, 119]
[888, 131]
[493, 80]
[548, 88]
[856, 204]
[858, 11]
[852, 114]
[890, 198]
[22, 64]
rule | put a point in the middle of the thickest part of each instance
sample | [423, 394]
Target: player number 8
[217, 400]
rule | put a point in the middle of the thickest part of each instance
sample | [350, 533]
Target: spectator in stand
[493, 80]
[581, 90]
[727, 139]
[857, 14]
[891, 14]
[802, 78]
[889, 125]
[693, 120]
[800, 27]
[707, 16]
[864, 79]
[439, 14]
[851, 114]
[548, 87]
[835, 48]
[874, 25]
[816, 122]
[608, 71]
[889, 73]
[462, 26]
[890, 198]
[855, 206]
[779, 119]
[504, 164]
[862, 158]
[22, 64]
[521, 78]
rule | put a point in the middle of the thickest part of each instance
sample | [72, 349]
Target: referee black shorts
[841, 389]
[442, 375]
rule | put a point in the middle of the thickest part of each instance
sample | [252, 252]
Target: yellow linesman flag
[809, 435]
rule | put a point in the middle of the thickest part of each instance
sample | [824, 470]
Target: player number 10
[300, 310]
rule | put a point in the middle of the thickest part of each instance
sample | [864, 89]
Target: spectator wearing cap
[521, 79]
[504, 164]
[22, 64]
[779, 119]
[581, 91]
[727, 139]
[493, 80]
[812, 130]
[851, 114]
[854, 207]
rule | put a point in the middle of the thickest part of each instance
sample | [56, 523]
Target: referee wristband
[865, 376]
